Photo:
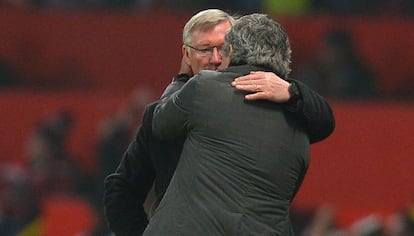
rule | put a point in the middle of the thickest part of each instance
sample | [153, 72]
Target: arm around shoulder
[171, 115]
[126, 189]
[315, 111]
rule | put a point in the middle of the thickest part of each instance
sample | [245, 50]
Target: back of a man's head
[204, 20]
[259, 40]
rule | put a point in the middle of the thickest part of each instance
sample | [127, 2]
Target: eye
[206, 50]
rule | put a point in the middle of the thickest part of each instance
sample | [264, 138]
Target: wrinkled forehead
[212, 35]
[206, 27]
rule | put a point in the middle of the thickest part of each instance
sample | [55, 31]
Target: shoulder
[209, 73]
[151, 106]
[149, 110]
[206, 79]
[210, 76]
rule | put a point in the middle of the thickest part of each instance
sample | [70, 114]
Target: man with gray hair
[243, 161]
[150, 162]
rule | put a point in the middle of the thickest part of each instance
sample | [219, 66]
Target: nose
[216, 57]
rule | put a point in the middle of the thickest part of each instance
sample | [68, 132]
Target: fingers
[256, 96]
[247, 87]
[263, 85]
[255, 89]
[252, 82]
[247, 81]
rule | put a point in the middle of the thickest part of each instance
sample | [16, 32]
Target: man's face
[205, 53]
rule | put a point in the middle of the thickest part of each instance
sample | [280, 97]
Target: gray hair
[204, 20]
[259, 40]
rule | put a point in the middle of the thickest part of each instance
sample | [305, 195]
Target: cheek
[200, 63]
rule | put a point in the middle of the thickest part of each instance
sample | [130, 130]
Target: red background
[364, 167]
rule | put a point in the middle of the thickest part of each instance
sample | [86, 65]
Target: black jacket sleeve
[314, 111]
[176, 84]
[172, 112]
[127, 188]
[125, 191]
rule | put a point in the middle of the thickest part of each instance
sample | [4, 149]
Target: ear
[230, 50]
[186, 54]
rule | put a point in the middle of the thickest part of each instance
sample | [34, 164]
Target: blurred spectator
[323, 223]
[7, 75]
[49, 138]
[301, 219]
[337, 70]
[18, 205]
[51, 165]
[401, 223]
[116, 132]
[371, 225]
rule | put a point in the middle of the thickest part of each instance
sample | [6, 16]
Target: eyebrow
[210, 46]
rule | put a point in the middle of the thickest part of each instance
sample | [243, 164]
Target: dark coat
[149, 160]
[241, 165]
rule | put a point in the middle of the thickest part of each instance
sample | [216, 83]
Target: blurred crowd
[323, 221]
[337, 70]
[50, 171]
[291, 7]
